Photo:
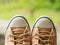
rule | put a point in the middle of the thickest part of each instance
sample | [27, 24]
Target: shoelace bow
[43, 41]
[19, 36]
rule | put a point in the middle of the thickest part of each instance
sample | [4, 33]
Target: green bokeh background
[31, 9]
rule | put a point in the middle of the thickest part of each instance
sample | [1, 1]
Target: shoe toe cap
[18, 22]
[44, 23]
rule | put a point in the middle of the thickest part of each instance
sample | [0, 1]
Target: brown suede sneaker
[18, 32]
[44, 32]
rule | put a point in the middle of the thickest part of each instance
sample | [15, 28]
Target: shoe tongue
[44, 32]
[18, 30]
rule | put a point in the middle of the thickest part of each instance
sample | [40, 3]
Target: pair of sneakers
[18, 32]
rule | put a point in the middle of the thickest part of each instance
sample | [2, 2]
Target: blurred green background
[31, 9]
